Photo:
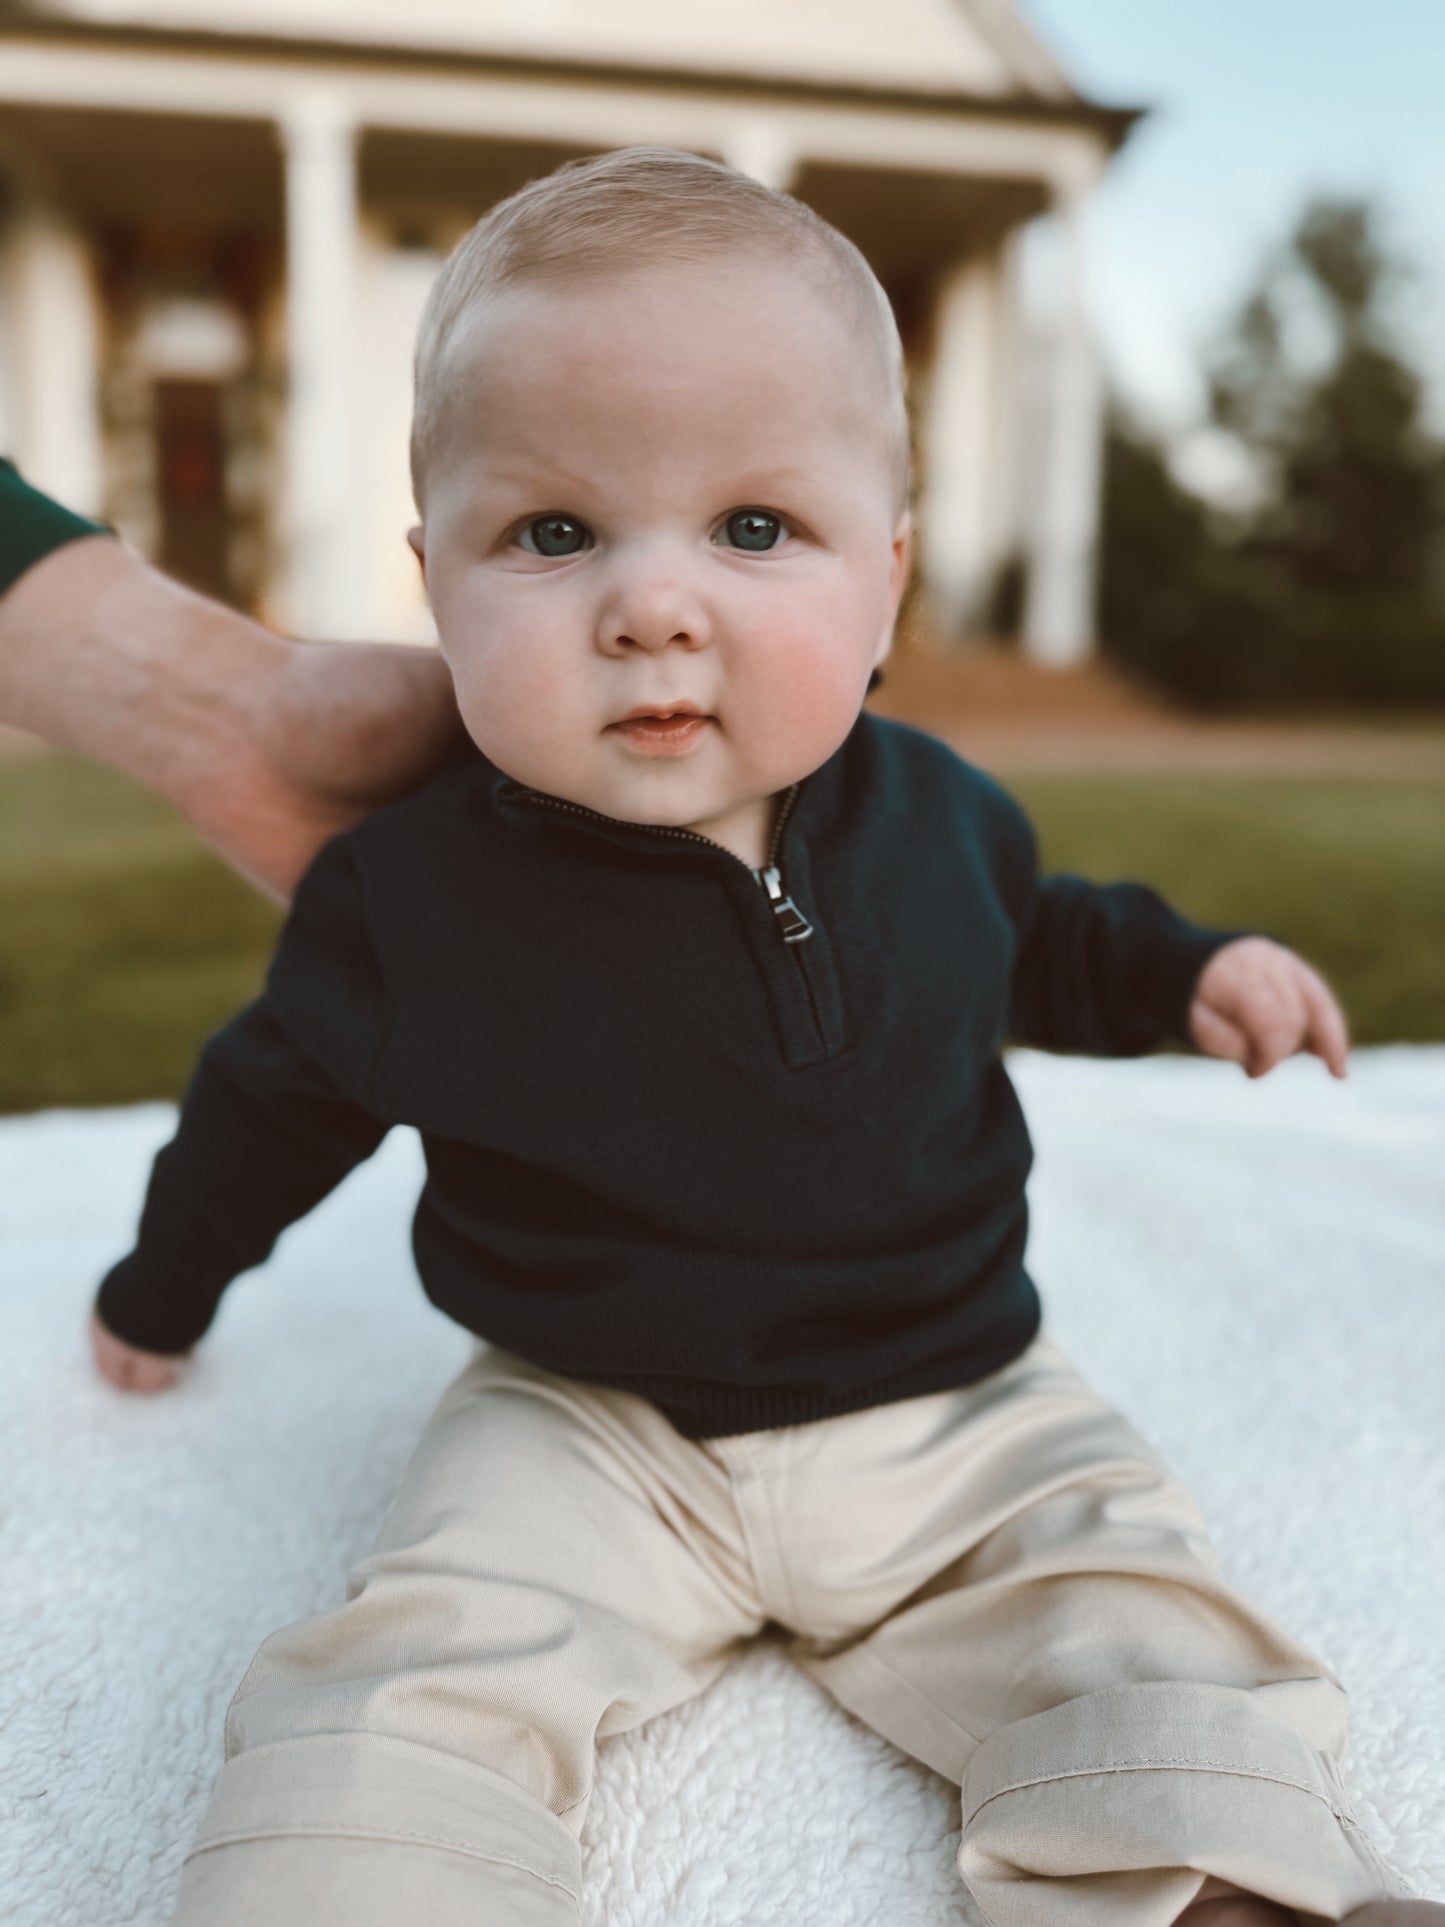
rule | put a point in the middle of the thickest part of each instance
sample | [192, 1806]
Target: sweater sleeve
[31, 525]
[278, 1111]
[1103, 968]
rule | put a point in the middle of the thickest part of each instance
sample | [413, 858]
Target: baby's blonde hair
[643, 207]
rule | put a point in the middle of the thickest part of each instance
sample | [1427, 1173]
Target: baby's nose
[654, 611]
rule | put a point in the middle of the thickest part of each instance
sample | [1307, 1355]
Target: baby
[694, 976]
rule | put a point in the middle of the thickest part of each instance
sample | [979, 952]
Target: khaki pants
[1002, 1579]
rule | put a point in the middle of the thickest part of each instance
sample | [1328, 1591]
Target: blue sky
[1256, 103]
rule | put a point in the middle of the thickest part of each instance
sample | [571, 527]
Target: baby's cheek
[502, 666]
[800, 693]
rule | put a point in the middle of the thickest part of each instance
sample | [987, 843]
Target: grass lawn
[1349, 871]
[124, 942]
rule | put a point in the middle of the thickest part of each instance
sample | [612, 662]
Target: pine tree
[1328, 587]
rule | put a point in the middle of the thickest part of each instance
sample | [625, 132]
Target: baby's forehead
[753, 294]
[727, 348]
[661, 215]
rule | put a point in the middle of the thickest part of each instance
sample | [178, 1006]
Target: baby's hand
[124, 1365]
[1257, 1003]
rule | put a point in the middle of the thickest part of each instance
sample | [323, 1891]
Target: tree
[1327, 586]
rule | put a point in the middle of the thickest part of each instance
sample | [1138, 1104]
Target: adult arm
[268, 746]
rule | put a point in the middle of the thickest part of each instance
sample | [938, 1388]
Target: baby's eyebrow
[529, 474]
[766, 477]
[543, 477]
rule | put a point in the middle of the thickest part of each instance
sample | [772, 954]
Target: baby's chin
[665, 798]
[664, 801]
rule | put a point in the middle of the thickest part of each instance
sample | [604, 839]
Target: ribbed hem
[700, 1409]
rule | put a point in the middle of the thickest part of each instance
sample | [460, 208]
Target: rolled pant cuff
[379, 1788]
[1108, 1810]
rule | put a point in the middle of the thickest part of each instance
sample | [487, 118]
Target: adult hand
[268, 746]
[1257, 1003]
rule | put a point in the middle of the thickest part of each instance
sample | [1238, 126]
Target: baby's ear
[902, 552]
[416, 542]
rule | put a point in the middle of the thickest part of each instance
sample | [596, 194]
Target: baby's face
[671, 489]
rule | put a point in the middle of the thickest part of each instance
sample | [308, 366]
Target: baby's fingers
[1278, 1025]
[1329, 1037]
[1216, 1035]
[130, 1369]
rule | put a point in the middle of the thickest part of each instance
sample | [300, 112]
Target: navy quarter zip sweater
[741, 1142]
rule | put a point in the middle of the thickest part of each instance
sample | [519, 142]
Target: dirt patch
[1005, 712]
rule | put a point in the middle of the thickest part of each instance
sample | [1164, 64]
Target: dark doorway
[191, 474]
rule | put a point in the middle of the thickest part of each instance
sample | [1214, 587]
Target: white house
[219, 218]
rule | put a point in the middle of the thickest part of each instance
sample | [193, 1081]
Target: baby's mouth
[672, 731]
[662, 714]
[673, 719]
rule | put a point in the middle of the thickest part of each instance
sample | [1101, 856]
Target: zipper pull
[795, 926]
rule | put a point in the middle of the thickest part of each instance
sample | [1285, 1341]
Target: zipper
[791, 924]
[791, 921]
[788, 919]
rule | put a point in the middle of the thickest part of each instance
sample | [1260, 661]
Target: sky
[1255, 104]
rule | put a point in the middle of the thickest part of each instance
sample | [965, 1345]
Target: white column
[966, 435]
[1005, 504]
[1058, 623]
[323, 596]
[763, 149]
[395, 283]
[52, 339]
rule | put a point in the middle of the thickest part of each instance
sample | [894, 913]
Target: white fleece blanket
[1254, 1273]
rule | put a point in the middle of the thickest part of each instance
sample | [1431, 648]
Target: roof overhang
[1111, 123]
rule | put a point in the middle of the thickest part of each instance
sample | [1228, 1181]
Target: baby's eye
[756, 530]
[553, 535]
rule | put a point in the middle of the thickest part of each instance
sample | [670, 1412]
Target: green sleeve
[31, 525]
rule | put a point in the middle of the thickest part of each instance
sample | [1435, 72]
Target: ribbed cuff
[142, 1319]
[31, 525]
[1165, 964]
[163, 1295]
